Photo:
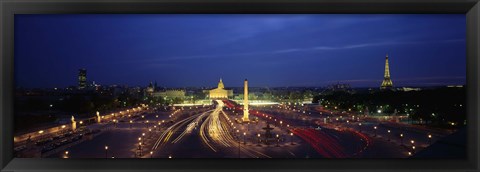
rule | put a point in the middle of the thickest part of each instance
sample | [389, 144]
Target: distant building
[150, 89]
[387, 81]
[339, 87]
[455, 86]
[220, 92]
[409, 89]
[170, 94]
[82, 78]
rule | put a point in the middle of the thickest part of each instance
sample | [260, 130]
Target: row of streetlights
[429, 136]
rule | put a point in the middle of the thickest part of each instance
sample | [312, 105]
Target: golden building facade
[220, 92]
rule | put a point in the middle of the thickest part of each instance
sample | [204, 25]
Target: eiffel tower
[387, 82]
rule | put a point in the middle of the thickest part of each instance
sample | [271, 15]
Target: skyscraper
[387, 82]
[82, 78]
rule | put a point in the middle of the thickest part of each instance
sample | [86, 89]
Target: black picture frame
[8, 9]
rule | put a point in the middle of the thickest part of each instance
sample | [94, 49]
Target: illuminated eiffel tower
[387, 82]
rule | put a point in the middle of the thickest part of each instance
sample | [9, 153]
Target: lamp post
[388, 135]
[429, 139]
[291, 138]
[106, 151]
[401, 138]
[258, 136]
[360, 126]
[66, 154]
[375, 130]
[151, 154]
[278, 140]
[63, 129]
[244, 135]
[140, 147]
[41, 134]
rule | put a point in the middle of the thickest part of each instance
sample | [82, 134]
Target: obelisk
[245, 101]
[74, 123]
[99, 119]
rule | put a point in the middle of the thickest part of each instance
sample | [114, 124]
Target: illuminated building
[82, 78]
[245, 101]
[170, 94]
[387, 82]
[409, 89]
[220, 92]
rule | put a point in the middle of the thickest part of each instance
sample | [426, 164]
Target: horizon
[241, 86]
[293, 50]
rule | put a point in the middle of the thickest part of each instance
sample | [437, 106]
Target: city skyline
[269, 50]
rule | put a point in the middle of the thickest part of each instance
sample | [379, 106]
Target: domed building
[220, 92]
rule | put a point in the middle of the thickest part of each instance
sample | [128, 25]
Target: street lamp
[401, 138]
[66, 154]
[278, 140]
[291, 138]
[429, 139]
[258, 136]
[388, 135]
[360, 126]
[106, 151]
[375, 128]
[244, 134]
[140, 147]
[151, 154]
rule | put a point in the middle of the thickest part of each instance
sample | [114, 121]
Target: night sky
[269, 50]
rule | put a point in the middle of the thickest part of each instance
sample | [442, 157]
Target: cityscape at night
[240, 86]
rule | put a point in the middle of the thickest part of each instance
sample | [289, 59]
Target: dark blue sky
[269, 50]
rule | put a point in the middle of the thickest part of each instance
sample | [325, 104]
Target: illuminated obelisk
[245, 101]
[74, 123]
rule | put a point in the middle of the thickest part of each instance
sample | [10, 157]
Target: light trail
[215, 129]
[167, 134]
[192, 125]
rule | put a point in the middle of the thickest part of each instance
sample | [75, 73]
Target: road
[213, 132]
